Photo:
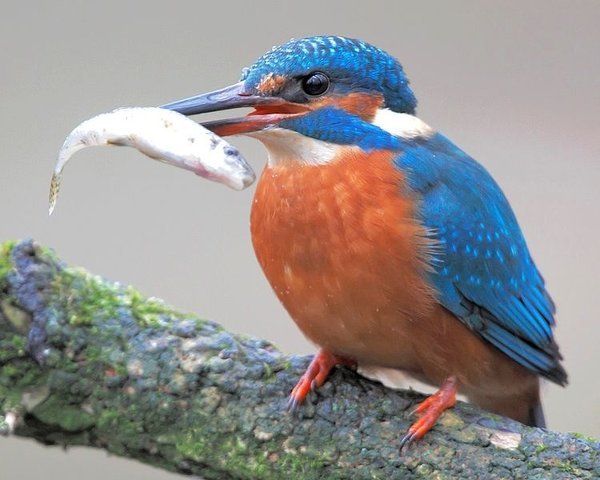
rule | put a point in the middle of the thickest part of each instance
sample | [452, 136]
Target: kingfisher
[387, 244]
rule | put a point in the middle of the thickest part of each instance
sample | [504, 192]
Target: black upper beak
[234, 96]
[269, 110]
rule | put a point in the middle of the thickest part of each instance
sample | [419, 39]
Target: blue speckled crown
[353, 65]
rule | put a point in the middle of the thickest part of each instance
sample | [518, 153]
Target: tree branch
[118, 371]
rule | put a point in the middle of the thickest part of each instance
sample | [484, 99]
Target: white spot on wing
[402, 125]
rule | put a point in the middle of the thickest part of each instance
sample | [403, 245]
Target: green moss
[19, 318]
[120, 369]
[286, 365]
[20, 374]
[16, 381]
[190, 447]
[98, 299]
[108, 419]
[301, 466]
[112, 419]
[47, 254]
[464, 435]
[95, 298]
[94, 354]
[9, 400]
[147, 311]
[53, 411]
[269, 374]
[151, 312]
[18, 342]
[540, 448]
[10, 394]
[585, 438]
[5, 261]
[11, 347]
[566, 467]
[234, 455]
[89, 298]
[9, 370]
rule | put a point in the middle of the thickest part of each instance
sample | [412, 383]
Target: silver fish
[162, 135]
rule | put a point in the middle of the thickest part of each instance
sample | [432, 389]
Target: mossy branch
[87, 362]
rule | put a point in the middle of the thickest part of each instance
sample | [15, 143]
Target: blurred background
[516, 84]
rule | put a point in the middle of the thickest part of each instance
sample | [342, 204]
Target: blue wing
[484, 273]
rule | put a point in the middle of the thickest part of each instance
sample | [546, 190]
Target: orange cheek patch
[271, 84]
[364, 105]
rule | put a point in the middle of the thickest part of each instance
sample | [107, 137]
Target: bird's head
[325, 88]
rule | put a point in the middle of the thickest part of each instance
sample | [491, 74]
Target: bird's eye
[315, 84]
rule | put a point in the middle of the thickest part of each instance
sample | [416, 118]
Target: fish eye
[315, 84]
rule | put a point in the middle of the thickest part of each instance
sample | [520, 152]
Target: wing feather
[484, 273]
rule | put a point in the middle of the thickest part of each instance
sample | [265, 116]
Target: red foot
[430, 410]
[315, 375]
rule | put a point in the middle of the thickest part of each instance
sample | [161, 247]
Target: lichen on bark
[84, 361]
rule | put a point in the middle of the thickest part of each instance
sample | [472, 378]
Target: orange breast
[342, 251]
[341, 248]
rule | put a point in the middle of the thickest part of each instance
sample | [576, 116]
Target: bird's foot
[315, 375]
[430, 409]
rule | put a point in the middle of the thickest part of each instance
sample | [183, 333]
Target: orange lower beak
[268, 111]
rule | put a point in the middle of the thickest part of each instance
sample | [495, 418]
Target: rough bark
[84, 361]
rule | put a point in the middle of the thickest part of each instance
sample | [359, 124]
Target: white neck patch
[401, 125]
[287, 146]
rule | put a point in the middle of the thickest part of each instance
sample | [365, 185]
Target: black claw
[407, 440]
[292, 404]
[413, 411]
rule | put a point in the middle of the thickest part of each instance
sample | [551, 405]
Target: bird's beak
[268, 110]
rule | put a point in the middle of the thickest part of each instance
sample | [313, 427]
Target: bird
[387, 244]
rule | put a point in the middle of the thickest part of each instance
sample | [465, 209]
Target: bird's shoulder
[482, 268]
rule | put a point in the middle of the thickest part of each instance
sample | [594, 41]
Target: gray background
[514, 83]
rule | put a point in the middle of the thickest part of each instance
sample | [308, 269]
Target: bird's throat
[286, 147]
